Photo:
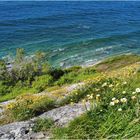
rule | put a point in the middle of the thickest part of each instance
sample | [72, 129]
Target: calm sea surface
[71, 32]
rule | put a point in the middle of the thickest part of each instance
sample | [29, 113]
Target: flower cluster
[124, 100]
[114, 101]
[27, 101]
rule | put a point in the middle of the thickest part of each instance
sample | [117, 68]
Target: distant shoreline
[9, 65]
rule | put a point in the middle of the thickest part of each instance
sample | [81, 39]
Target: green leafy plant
[42, 82]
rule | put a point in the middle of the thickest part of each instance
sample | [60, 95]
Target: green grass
[121, 121]
[59, 77]
[26, 107]
[110, 84]
[41, 83]
[42, 125]
[97, 124]
[75, 75]
[116, 62]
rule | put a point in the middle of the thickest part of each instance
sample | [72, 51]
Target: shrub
[28, 106]
[4, 89]
[42, 82]
[66, 79]
[56, 73]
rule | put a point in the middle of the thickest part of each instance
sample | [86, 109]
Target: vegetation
[36, 75]
[26, 107]
[18, 78]
[112, 87]
[117, 62]
[116, 115]
[43, 125]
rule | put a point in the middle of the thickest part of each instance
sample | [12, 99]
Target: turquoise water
[71, 32]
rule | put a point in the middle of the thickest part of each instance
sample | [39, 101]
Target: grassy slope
[115, 77]
[117, 62]
[107, 121]
[78, 74]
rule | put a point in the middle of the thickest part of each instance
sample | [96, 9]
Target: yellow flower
[91, 97]
[124, 83]
[116, 101]
[9, 106]
[71, 103]
[110, 85]
[83, 100]
[98, 97]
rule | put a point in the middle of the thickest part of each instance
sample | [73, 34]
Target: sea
[70, 32]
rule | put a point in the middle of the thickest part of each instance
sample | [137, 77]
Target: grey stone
[62, 116]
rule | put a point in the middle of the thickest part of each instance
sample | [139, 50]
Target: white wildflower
[120, 109]
[105, 84]
[112, 103]
[124, 92]
[110, 85]
[133, 93]
[113, 99]
[123, 100]
[137, 90]
[98, 95]
[124, 83]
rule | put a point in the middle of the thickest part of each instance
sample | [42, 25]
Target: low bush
[76, 74]
[42, 82]
[56, 73]
[4, 89]
[28, 106]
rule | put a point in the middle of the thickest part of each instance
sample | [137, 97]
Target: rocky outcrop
[69, 89]
[61, 116]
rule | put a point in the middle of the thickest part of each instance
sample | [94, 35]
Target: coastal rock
[16, 130]
[63, 115]
[69, 89]
[23, 130]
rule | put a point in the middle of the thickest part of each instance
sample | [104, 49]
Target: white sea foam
[86, 27]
